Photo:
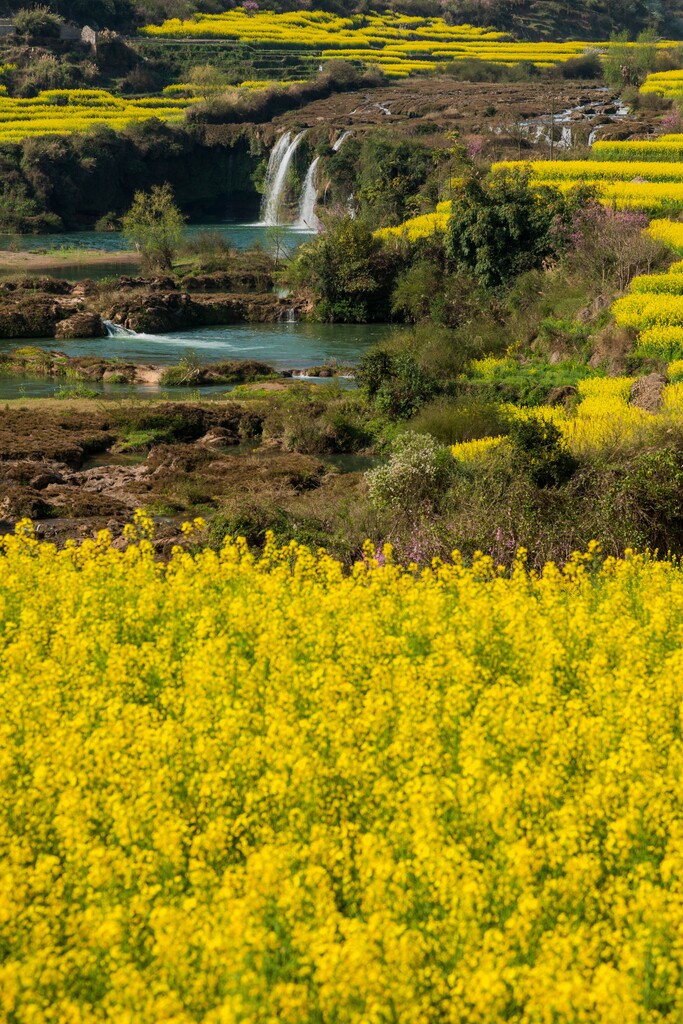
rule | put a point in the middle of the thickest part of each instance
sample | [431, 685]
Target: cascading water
[278, 165]
[116, 331]
[276, 155]
[340, 141]
[307, 219]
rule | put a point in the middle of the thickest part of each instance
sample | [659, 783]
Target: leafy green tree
[155, 226]
[396, 383]
[349, 271]
[16, 208]
[502, 226]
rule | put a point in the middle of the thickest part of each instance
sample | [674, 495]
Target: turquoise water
[284, 346]
[241, 236]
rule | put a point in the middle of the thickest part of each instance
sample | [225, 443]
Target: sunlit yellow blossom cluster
[398, 43]
[472, 451]
[260, 790]
[671, 233]
[190, 91]
[419, 227]
[63, 111]
[654, 306]
[664, 83]
[603, 416]
[594, 171]
[651, 186]
[666, 148]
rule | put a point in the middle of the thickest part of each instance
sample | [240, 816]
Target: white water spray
[307, 218]
[340, 141]
[116, 331]
[278, 165]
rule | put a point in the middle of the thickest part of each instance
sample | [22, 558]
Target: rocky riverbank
[44, 308]
[75, 468]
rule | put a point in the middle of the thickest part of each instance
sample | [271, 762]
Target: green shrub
[397, 384]
[451, 420]
[542, 452]
[38, 23]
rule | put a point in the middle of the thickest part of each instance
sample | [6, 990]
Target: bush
[587, 66]
[501, 227]
[416, 479]
[627, 64]
[397, 384]
[542, 452]
[349, 271]
[38, 23]
[465, 418]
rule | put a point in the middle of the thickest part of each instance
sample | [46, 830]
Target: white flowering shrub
[416, 477]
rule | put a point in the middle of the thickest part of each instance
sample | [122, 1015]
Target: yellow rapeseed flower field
[261, 790]
[63, 111]
[399, 43]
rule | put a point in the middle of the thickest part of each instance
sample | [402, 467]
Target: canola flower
[603, 416]
[64, 111]
[594, 171]
[670, 232]
[263, 789]
[400, 44]
[661, 342]
[488, 366]
[675, 369]
[666, 148]
[419, 227]
[473, 451]
[655, 303]
[658, 284]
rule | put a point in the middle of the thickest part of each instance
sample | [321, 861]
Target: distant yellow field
[399, 44]
[63, 111]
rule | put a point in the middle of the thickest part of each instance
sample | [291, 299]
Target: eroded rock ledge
[49, 308]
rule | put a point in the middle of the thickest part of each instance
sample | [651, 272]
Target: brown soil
[50, 469]
[646, 392]
[430, 107]
[40, 262]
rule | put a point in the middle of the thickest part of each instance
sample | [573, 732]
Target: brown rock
[646, 392]
[81, 325]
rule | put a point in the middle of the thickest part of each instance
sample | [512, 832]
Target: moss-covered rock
[81, 325]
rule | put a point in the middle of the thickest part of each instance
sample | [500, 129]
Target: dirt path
[61, 262]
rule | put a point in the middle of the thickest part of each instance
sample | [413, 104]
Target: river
[284, 345]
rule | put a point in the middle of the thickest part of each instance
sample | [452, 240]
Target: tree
[628, 63]
[38, 23]
[503, 226]
[155, 225]
[350, 272]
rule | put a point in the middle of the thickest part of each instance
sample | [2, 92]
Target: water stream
[309, 197]
[285, 346]
[306, 218]
[276, 177]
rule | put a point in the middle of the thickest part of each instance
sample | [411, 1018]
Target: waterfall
[340, 141]
[278, 165]
[116, 331]
[566, 139]
[309, 197]
[306, 219]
